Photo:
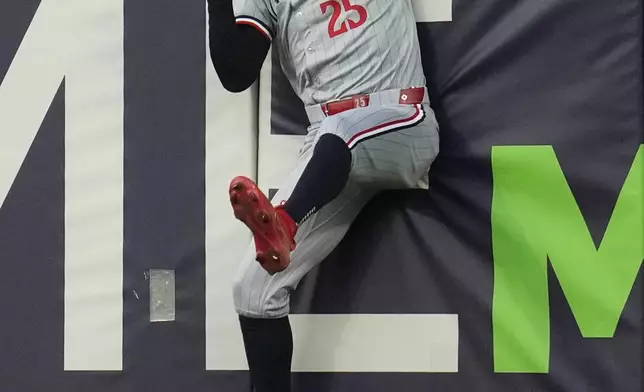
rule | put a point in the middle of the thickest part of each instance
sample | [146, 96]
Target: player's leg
[327, 171]
[260, 294]
[322, 179]
[392, 146]
[379, 147]
[268, 341]
[262, 299]
[338, 143]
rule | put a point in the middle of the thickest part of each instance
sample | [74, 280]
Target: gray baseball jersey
[332, 49]
[338, 48]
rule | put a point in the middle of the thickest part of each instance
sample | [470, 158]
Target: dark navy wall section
[164, 190]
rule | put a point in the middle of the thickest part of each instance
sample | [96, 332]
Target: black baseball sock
[323, 179]
[269, 350]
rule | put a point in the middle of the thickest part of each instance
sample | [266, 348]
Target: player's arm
[237, 50]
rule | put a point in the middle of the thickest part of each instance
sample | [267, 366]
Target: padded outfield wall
[519, 269]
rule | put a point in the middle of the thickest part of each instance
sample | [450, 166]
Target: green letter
[535, 218]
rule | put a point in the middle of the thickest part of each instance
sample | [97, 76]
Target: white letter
[81, 41]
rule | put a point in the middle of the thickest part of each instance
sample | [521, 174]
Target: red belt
[410, 96]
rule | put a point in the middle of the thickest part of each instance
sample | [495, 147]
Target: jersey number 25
[337, 6]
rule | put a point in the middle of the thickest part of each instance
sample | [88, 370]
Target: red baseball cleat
[273, 229]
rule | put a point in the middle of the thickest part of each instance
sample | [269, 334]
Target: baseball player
[356, 65]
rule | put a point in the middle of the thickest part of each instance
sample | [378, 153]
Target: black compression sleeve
[237, 51]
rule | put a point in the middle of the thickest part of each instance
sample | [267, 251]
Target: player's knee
[340, 156]
[371, 175]
[245, 304]
[253, 299]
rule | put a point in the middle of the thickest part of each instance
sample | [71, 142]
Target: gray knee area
[254, 297]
